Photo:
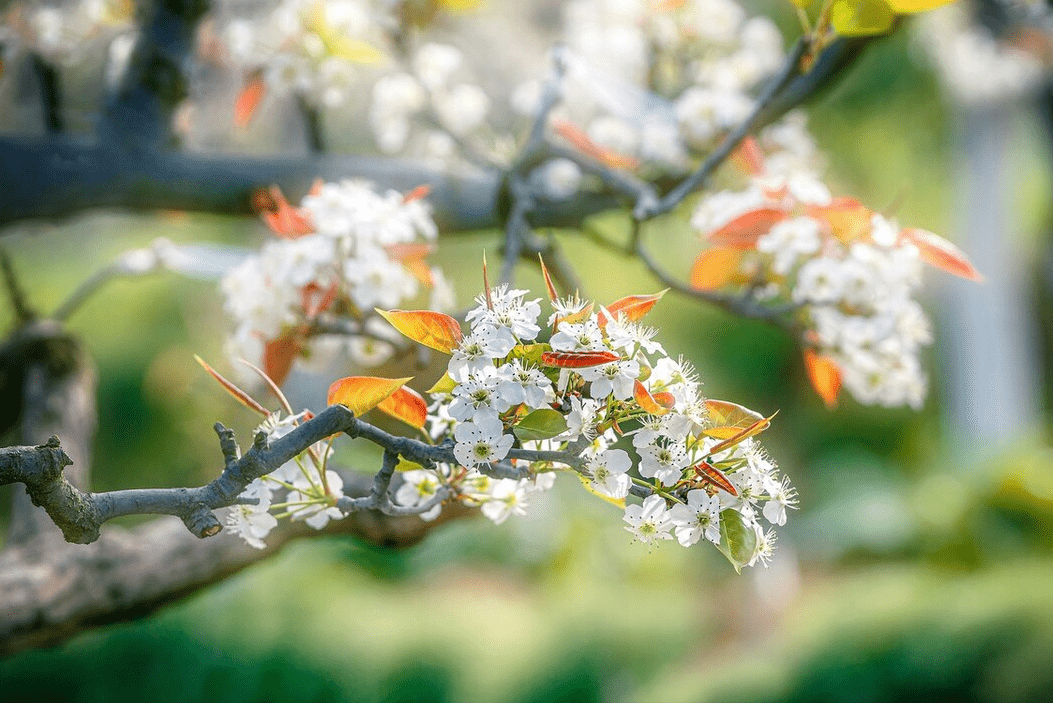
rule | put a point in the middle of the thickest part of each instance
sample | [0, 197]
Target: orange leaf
[242, 397]
[412, 257]
[407, 405]
[729, 418]
[402, 252]
[585, 145]
[361, 394]
[317, 299]
[715, 268]
[417, 193]
[712, 475]
[432, 329]
[282, 218]
[848, 219]
[248, 100]
[937, 251]
[744, 231]
[632, 307]
[824, 376]
[577, 360]
[750, 156]
[279, 354]
[657, 404]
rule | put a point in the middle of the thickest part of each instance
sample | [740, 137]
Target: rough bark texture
[51, 590]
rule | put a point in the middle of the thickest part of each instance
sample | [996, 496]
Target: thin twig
[791, 68]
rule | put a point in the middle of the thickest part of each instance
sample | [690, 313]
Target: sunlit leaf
[617, 502]
[545, 423]
[443, 385]
[738, 540]
[744, 231]
[631, 307]
[529, 354]
[577, 360]
[657, 404]
[856, 18]
[248, 100]
[339, 44]
[907, 7]
[432, 329]
[279, 354]
[848, 219]
[729, 418]
[824, 375]
[270, 384]
[241, 396]
[937, 251]
[361, 394]
[742, 435]
[407, 405]
[715, 268]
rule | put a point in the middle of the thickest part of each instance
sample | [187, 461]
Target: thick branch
[49, 595]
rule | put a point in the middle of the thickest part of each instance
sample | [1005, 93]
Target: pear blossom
[650, 521]
[699, 518]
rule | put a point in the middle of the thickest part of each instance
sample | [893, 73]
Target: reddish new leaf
[418, 193]
[824, 375]
[577, 360]
[583, 143]
[407, 405]
[656, 404]
[248, 100]
[282, 218]
[361, 394]
[714, 476]
[241, 396]
[432, 329]
[750, 156]
[552, 295]
[279, 354]
[632, 307]
[715, 268]
[744, 231]
[937, 251]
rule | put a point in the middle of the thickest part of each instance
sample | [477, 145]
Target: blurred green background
[907, 574]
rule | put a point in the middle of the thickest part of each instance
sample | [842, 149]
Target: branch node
[202, 522]
[227, 444]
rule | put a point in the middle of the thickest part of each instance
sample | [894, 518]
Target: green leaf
[407, 465]
[529, 353]
[738, 541]
[443, 385]
[540, 424]
[855, 18]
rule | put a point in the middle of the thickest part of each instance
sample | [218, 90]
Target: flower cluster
[602, 397]
[680, 78]
[850, 274]
[424, 108]
[975, 66]
[344, 251]
[310, 47]
[301, 489]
